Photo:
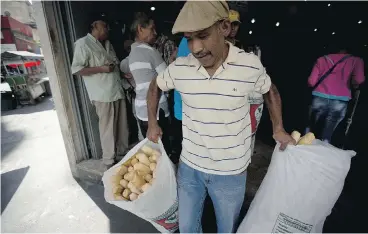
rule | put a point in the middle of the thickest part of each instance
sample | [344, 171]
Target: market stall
[26, 74]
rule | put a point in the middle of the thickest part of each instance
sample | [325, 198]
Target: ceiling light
[315, 30]
[365, 45]
[250, 32]
[333, 33]
[253, 21]
[103, 14]
[277, 24]
[359, 22]
[329, 4]
[153, 8]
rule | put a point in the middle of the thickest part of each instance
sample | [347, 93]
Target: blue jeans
[325, 115]
[226, 191]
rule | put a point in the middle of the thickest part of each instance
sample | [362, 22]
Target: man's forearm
[89, 71]
[273, 102]
[153, 98]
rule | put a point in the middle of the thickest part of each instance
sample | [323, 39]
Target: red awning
[31, 64]
[26, 64]
[13, 65]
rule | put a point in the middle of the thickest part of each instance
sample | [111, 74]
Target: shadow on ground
[9, 139]
[10, 182]
[349, 214]
[350, 211]
[45, 104]
[121, 221]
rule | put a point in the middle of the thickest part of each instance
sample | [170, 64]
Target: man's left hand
[284, 138]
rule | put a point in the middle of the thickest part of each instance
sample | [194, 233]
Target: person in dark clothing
[234, 18]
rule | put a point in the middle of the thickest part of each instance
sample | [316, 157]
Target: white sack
[159, 204]
[299, 190]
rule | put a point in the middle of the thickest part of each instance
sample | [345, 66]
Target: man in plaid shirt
[166, 47]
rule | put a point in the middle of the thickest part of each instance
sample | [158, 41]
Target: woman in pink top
[331, 96]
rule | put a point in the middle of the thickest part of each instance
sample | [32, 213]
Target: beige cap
[199, 15]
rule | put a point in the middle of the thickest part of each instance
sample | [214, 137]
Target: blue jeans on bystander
[325, 116]
[226, 191]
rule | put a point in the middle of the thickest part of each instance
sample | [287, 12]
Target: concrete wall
[61, 82]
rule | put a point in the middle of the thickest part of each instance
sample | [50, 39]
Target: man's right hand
[154, 132]
[107, 69]
[128, 75]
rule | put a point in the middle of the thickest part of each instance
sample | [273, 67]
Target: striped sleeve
[165, 81]
[124, 65]
[157, 62]
[263, 82]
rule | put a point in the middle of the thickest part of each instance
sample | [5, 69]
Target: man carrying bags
[214, 81]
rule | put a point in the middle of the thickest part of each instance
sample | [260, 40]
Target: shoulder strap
[329, 59]
[324, 76]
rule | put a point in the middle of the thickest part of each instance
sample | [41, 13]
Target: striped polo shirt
[145, 63]
[216, 121]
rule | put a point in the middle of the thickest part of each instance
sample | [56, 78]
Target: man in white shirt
[214, 82]
[95, 60]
